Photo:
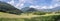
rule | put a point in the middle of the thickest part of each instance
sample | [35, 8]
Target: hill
[28, 9]
[44, 10]
[5, 7]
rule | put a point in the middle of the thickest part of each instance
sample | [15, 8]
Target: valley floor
[7, 15]
[29, 17]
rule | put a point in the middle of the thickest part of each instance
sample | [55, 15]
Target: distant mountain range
[51, 10]
[28, 9]
[45, 10]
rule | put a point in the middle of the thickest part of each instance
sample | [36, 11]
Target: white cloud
[20, 5]
[11, 2]
[54, 4]
[44, 7]
[32, 6]
[51, 7]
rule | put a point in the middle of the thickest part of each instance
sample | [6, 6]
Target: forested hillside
[5, 7]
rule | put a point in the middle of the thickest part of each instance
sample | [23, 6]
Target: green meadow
[28, 17]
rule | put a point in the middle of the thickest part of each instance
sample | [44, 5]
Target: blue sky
[39, 4]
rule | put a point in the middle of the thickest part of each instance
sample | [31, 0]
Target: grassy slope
[25, 17]
[7, 15]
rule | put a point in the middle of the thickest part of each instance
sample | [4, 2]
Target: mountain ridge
[45, 10]
[5, 7]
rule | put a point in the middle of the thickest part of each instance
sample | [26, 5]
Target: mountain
[5, 7]
[50, 10]
[45, 10]
[31, 10]
[28, 9]
[25, 9]
[57, 8]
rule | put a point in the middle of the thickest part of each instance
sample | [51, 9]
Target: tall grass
[29, 17]
[41, 18]
[11, 19]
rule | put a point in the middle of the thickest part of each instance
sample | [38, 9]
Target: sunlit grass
[7, 15]
[27, 17]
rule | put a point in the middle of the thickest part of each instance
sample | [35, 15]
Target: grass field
[30, 17]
